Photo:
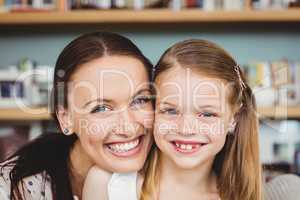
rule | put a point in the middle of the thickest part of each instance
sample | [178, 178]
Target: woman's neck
[191, 182]
[80, 164]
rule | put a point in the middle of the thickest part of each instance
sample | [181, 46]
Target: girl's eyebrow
[209, 106]
[142, 91]
[167, 103]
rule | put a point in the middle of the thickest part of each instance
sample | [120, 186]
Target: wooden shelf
[33, 114]
[148, 16]
[279, 112]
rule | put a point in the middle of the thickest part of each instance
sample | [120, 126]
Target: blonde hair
[237, 165]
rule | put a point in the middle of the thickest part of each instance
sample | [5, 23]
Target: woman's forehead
[115, 78]
[116, 67]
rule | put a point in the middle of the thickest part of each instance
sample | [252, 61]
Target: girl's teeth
[186, 146]
[124, 146]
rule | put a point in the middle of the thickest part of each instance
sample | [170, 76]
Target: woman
[102, 103]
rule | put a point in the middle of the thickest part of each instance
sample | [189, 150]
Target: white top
[123, 186]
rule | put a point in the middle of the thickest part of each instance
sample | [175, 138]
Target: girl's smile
[187, 147]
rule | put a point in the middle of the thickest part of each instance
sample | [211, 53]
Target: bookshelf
[279, 112]
[41, 113]
[148, 16]
[33, 114]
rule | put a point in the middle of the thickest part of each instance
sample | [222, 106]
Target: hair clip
[153, 73]
[242, 84]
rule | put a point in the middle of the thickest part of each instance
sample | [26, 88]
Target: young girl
[206, 130]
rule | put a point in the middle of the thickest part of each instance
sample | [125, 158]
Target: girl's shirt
[123, 186]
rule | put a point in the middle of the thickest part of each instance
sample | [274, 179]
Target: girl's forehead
[184, 80]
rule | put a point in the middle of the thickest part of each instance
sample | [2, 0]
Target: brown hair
[237, 165]
[50, 152]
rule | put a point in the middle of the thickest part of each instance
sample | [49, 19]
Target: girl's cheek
[163, 127]
[213, 128]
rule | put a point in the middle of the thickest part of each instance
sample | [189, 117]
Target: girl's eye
[207, 114]
[101, 108]
[140, 100]
[169, 111]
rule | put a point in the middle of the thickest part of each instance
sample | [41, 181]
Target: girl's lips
[187, 147]
[126, 149]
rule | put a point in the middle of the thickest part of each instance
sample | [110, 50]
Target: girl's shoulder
[37, 186]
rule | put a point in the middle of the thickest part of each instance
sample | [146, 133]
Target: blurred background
[262, 35]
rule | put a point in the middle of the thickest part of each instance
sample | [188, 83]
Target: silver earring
[66, 131]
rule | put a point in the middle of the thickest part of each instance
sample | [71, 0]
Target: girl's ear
[232, 125]
[64, 118]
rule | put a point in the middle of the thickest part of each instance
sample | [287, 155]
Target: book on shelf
[275, 83]
[29, 5]
[25, 85]
[207, 5]
[274, 4]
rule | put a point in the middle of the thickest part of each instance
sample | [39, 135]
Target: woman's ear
[65, 122]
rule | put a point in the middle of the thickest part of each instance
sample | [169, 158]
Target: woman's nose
[126, 125]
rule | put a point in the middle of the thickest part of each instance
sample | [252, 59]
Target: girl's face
[192, 117]
[110, 109]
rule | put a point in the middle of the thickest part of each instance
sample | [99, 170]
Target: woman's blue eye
[169, 111]
[101, 108]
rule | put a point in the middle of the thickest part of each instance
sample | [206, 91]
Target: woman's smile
[125, 148]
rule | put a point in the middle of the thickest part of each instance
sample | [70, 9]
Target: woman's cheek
[148, 120]
[145, 117]
[94, 130]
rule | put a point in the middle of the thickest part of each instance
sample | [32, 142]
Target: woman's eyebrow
[97, 100]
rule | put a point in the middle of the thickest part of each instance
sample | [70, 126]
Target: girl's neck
[201, 179]
[80, 164]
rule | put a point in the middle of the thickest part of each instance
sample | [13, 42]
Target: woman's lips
[187, 147]
[126, 149]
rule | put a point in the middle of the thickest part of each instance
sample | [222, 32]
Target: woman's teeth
[124, 147]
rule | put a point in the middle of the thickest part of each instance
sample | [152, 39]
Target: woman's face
[110, 109]
[192, 117]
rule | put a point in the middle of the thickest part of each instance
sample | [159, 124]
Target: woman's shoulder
[37, 186]
[283, 187]
[5, 169]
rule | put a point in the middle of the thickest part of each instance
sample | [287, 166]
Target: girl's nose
[187, 125]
